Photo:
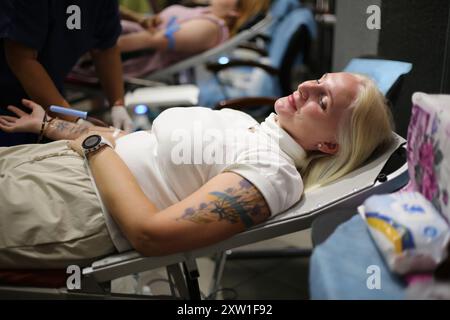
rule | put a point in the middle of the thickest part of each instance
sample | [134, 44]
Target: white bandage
[116, 133]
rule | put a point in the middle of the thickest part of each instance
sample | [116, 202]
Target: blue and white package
[410, 233]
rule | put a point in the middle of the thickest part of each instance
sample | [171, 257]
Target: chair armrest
[217, 67]
[248, 102]
[253, 47]
[262, 37]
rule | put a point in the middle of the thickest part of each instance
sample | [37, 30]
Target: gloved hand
[121, 118]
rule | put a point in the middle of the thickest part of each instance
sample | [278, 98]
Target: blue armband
[172, 27]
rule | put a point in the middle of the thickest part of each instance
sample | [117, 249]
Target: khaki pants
[50, 215]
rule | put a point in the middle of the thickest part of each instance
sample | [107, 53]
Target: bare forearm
[64, 130]
[109, 69]
[38, 84]
[142, 40]
[121, 193]
[33, 76]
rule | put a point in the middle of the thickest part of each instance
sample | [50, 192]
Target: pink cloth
[429, 149]
[417, 278]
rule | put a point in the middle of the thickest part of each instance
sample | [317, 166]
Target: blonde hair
[247, 9]
[369, 127]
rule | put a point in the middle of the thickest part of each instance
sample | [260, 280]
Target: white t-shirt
[187, 147]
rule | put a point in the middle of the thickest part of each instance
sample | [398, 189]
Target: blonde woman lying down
[198, 177]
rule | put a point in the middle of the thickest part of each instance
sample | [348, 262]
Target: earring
[319, 146]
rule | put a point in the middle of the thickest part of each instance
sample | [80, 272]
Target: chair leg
[184, 282]
[177, 283]
[220, 261]
[192, 274]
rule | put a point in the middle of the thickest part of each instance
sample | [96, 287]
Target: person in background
[41, 41]
[179, 32]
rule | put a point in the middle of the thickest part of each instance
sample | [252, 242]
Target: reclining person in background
[197, 178]
[179, 32]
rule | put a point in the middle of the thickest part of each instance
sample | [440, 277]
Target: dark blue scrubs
[49, 26]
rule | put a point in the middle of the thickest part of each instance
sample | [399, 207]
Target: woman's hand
[151, 23]
[76, 144]
[24, 122]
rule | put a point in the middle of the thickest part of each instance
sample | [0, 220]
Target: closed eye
[322, 104]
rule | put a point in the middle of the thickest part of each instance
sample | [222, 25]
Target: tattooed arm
[55, 130]
[224, 206]
[64, 130]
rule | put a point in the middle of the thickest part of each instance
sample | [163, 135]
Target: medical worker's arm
[192, 37]
[224, 206]
[109, 69]
[32, 75]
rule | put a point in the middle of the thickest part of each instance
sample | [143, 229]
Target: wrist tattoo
[66, 129]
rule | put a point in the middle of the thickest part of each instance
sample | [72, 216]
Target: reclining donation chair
[373, 178]
[385, 171]
[268, 75]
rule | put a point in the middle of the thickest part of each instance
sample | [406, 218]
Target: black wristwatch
[93, 143]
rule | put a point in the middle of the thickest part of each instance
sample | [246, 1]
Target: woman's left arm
[224, 206]
[56, 129]
[192, 37]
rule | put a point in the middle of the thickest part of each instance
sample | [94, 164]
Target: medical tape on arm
[116, 133]
[172, 27]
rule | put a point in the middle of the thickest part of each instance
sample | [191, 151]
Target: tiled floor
[250, 279]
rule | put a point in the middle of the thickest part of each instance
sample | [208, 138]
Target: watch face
[91, 141]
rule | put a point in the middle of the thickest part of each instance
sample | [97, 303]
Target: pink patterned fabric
[429, 149]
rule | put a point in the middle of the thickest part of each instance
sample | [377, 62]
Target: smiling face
[312, 114]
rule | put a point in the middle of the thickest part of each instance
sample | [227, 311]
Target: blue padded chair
[279, 10]
[386, 73]
[271, 75]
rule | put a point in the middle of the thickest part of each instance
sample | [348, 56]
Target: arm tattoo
[60, 129]
[243, 203]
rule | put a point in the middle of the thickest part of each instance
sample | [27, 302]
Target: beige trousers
[50, 215]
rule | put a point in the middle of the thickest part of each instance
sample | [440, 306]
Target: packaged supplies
[409, 232]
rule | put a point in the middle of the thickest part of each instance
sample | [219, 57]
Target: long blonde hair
[247, 9]
[369, 127]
